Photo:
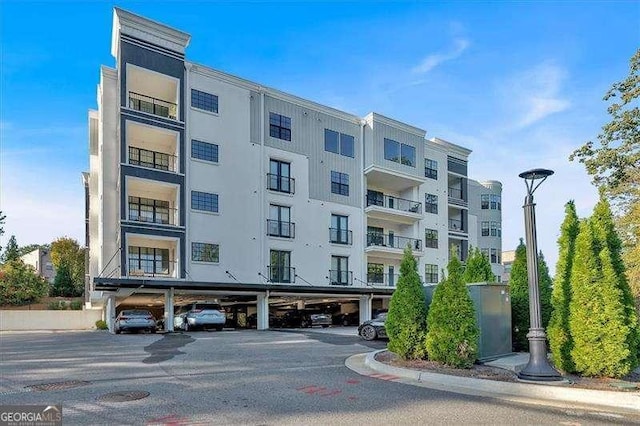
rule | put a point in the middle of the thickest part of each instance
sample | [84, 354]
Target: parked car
[351, 318]
[374, 328]
[199, 315]
[274, 321]
[296, 319]
[135, 320]
[320, 319]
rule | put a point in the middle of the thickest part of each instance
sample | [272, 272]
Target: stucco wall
[49, 320]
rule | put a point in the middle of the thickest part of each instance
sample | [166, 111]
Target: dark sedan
[373, 329]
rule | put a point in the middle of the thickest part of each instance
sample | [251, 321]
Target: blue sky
[520, 84]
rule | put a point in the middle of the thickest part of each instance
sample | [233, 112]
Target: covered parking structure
[239, 299]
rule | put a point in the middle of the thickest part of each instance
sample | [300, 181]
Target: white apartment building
[40, 259]
[206, 185]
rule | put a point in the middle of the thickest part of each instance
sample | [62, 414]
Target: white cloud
[435, 59]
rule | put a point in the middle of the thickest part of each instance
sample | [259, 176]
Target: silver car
[135, 320]
[199, 315]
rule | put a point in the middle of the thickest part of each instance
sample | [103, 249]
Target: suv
[199, 314]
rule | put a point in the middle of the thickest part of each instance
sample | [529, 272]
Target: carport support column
[263, 311]
[365, 308]
[168, 309]
[110, 312]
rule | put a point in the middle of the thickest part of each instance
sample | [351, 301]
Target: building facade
[205, 184]
[40, 259]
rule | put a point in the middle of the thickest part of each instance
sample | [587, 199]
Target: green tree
[453, 333]
[2, 219]
[67, 251]
[63, 284]
[614, 164]
[560, 340]
[519, 291]
[478, 268]
[545, 283]
[20, 285]
[406, 323]
[12, 251]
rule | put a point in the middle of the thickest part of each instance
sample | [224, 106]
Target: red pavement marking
[169, 420]
[384, 376]
[333, 392]
[353, 381]
[352, 398]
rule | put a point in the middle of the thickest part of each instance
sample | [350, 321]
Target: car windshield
[382, 317]
[208, 307]
[136, 313]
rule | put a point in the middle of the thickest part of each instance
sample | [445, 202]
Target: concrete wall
[49, 320]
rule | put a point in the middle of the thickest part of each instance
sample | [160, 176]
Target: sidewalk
[555, 395]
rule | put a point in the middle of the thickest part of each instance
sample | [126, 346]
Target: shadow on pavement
[167, 347]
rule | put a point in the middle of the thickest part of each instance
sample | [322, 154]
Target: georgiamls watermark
[30, 415]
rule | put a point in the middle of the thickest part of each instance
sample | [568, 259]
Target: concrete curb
[513, 391]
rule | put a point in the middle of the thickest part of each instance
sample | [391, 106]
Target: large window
[491, 202]
[484, 201]
[430, 168]
[279, 177]
[204, 100]
[496, 229]
[431, 203]
[496, 202]
[408, 155]
[495, 256]
[339, 232]
[148, 210]
[204, 201]
[205, 252]
[431, 274]
[399, 153]
[338, 143]
[280, 270]
[148, 261]
[204, 151]
[339, 273]
[279, 126]
[375, 273]
[431, 238]
[279, 223]
[339, 183]
[485, 229]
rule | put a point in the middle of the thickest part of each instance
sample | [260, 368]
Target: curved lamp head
[530, 176]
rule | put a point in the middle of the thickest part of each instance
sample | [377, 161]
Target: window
[204, 201]
[485, 229]
[499, 228]
[431, 203]
[280, 270]
[484, 201]
[279, 126]
[279, 223]
[408, 155]
[494, 229]
[338, 143]
[375, 273]
[204, 100]
[431, 274]
[339, 183]
[430, 168]
[279, 177]
[496, 202]
[204, 252]
[148, 261]
[204, 151]
[339, 232]
[148, 210]
[491, 201]
[494, 256]
[347, 143]
[399, 153]
[431, 238]
[339, 273]
[151, 159]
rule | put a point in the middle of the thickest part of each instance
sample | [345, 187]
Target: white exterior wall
[476, 189]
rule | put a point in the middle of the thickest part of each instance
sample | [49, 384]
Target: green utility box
[493, 316]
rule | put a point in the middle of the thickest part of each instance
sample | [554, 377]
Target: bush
[57, 305]
[20, 285]
[406, 322]
[478, 268]
[453, 334]
[75, 305]
[102, 325]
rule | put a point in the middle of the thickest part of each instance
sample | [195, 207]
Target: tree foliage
[560, 340]
[63, 284]
[12, 251]
[406, 323]
[545, 283]
[67, 251]
[20, 285]
[453, 333]
[478, 268]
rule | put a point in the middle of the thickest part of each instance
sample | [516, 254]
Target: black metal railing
[339, 277]
[278, 228]
[395, 203]
[456, 225]
[152, 105]
[393, 241]
[152, 159]
[282, 274]
[150, 267]
[151, 214]
[456, 196]
[281, 183]
[340, 236]
[382, 279]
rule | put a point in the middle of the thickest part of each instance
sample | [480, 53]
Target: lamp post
[538, 368]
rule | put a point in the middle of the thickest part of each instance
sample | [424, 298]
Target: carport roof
[113, 284]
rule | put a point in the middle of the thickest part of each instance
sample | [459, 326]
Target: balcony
[457, 225]
[391, 245]
[456, 197]
[338, 277]
[152, 202]
[278, 228]
[152, 105]
[340, 236]
[152, 159]
[282, 274]
[158, 268]
[394, 209]
[382, 279]
[152, 211]
[281, 183]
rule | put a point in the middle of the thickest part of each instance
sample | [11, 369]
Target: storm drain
[123, 396]
[69, 384]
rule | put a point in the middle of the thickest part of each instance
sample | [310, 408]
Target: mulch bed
[479, 371]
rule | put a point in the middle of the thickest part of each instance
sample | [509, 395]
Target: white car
[135, 320]
[199, 315]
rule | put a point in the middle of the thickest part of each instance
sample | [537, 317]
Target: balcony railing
[142, 267]
[282, 274]
[152, 159]
[340, 236]
[150, 214]
[154, 106]
[382, 279]
[456, 196]
[395, 203]
[456, 225]
[281, 183]
[393, 241]
[338, 277]
[278, 228]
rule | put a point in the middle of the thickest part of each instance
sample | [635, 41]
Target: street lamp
[538, 368]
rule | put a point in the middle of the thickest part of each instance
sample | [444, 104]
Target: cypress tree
[519, 291]
[544, 289]
[453, 333]
[478, 268]
[406, 323]
[560, 340]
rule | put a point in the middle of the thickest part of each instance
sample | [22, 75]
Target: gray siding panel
[254, 111]
[307, 138]
[374, 148]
